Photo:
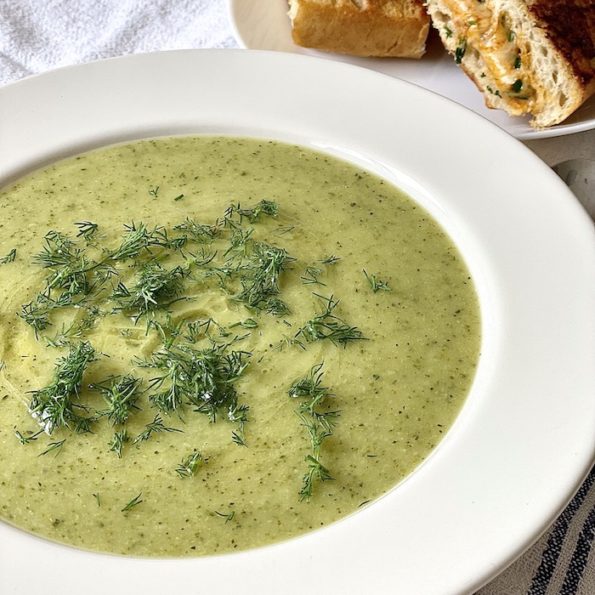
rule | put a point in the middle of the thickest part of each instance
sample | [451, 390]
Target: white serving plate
[526, 436]
[264, 25]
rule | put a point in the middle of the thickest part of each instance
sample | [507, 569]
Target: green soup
[275, 339]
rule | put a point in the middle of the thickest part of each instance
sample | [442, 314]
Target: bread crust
[380, 28]
[570, 26]
[527, 56]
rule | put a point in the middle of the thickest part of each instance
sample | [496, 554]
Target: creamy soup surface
[209, 344]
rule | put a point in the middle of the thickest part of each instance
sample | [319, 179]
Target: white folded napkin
[38, 35]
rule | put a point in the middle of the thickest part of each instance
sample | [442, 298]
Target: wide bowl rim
[47, 116]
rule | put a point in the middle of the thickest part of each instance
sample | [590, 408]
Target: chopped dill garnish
[134, 502]
[327, 325]
[55, 405]
[198, 231]
[9, 257]
[238, 438]
[32, 436]
[121, 395]
[264, 207]
[87, 229]
[193, 361]
[156, 288]
[319, 424]
[57, 446]
[96, 496]
[310, 386]
[168, 331]
[249, 323]
[330, 260]
[189, 464]
[260, 278]
[310, 276]
[37, 312]
[137, 238]
[197, 329]
[284, 229]
[202, 378]
[59, 250]
[76, 329]
[239, 240]
[155, 426]
[116, 444]
[68, 263]
[238, 414]
[375, 283]
[316, 470]
[227, 516]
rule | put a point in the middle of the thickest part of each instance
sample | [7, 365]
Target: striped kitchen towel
[562, 562]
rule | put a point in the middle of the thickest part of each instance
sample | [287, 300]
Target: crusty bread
[527, 56]
[383, 28]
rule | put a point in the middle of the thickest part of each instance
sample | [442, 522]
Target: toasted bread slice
[527, 56]
[382, 28]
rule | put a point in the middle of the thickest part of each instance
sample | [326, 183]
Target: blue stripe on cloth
[578, 562]
[551, 553]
